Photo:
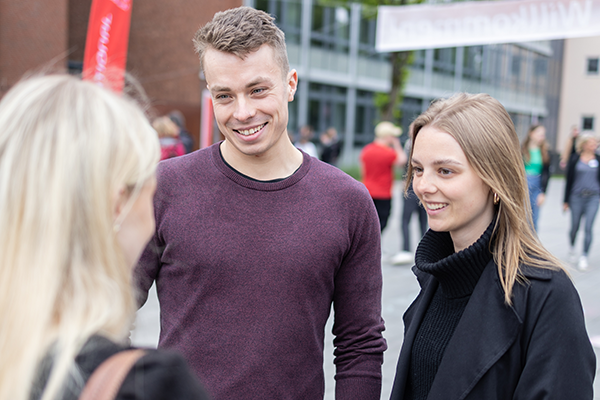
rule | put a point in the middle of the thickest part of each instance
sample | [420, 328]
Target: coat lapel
[485, 332]
[412, 319]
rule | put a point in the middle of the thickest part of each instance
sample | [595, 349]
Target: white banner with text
[473, 23]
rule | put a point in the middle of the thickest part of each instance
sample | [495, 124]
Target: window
[592, 66]
[444, 60]
[516, 66]
[288, 16]
[365, 117]
[327, 107]
[540, 66]
[75, 67]
[472, 62]
[588, 123]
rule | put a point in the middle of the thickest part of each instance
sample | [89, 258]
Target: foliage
[354, 171]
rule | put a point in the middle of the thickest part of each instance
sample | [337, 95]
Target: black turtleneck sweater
[457, 273]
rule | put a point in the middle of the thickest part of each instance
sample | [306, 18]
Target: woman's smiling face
[455, 197]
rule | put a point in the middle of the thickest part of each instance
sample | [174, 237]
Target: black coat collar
[478, 342]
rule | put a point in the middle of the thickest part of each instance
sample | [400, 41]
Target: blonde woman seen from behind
[497, 317]
[77, 181]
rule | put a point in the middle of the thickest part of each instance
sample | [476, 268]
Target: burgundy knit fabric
[246, 273]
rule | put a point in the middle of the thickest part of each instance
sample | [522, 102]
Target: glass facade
[333, 50]
[327, 105]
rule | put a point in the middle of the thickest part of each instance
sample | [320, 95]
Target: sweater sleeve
[161, 375]
[146, 270]
[148, 267]
[358, 325]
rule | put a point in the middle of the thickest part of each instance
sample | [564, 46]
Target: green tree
[387, 103]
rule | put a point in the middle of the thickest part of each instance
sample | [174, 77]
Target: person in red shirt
[377, 160]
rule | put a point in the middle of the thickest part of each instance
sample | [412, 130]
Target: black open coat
[158, 375]
[538, 348]
[571, 172]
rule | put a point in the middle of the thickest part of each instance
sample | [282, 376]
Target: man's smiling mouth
[251, 131]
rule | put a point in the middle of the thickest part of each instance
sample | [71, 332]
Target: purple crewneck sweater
[246, 273]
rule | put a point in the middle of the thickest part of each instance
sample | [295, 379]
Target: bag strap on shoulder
[107, 379]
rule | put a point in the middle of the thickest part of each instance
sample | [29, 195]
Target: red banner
[106, 43]
[206, 120]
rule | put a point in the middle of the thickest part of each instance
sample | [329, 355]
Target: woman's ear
[120, 198]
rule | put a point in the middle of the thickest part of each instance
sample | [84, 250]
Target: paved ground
[400, 288]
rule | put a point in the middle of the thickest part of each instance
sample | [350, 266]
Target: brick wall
[33, 36]
[161, 53]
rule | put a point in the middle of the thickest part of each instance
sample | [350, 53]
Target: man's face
[250, 98]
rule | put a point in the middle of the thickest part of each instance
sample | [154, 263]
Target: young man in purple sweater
[256, 240]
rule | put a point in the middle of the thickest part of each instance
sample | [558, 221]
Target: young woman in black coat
[497, 316]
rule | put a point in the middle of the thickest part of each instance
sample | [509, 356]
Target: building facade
[340, 73]
[332, 48]
[580, 87]
[33, 37]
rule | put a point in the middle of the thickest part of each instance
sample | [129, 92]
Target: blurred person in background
[582, 194]
[168, 136]
[186, 138]
[410, 206]
[77, 182]
[569, 148]
[536, 156]
[377, 161]
[497, 316]
[304, 143]
[331, 146]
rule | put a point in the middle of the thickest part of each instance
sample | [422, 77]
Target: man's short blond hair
[241, 31]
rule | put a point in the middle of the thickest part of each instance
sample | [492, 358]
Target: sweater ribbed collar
[457, 273]
[244, 181]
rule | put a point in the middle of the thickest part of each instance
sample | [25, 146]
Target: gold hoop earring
[496, 199]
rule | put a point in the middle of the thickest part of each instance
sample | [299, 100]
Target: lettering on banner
[102, 53]
[124, 5]
[534, 20]
[542, 16]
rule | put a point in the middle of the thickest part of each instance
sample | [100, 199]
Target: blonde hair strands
[486, 134]
[66, 149]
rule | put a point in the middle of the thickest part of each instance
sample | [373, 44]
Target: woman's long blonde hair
[67, 147]
[486, 134]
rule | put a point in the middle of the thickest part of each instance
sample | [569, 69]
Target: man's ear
[292, 81]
